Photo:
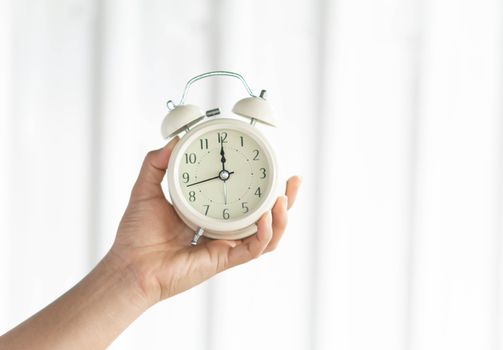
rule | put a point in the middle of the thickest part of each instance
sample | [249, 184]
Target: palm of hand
[155, 242]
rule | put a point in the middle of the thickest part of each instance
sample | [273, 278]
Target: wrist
[136, 275]
[130, 279]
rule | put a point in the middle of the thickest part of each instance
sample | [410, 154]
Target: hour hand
[222, 154]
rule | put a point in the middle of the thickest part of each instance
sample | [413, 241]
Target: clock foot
[197, 235]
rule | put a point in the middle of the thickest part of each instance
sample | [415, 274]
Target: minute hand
[212, 178]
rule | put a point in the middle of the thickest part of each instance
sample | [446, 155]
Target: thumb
[152, 172]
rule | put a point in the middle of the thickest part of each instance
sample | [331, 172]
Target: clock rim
[188, 213]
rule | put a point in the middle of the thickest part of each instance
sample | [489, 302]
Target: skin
[150, 260]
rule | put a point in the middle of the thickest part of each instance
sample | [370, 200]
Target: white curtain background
[390, 109]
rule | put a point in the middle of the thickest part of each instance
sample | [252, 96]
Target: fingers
[279, 222]
[270, 229]
[279, 211]
[253, 246]
[152, 172]
[292, 187]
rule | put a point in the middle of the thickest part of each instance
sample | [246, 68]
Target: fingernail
[172, 142]
[284, 199]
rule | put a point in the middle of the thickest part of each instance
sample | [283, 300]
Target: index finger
[292, 187]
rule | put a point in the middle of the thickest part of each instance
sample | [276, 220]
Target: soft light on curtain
[391, 110]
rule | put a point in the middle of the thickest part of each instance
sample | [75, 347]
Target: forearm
[89, 316]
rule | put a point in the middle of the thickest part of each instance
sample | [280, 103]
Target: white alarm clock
[223, 173]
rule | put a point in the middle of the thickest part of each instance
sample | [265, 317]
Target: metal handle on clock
[213, 74]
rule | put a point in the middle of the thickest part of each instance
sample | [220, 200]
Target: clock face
[224, 174]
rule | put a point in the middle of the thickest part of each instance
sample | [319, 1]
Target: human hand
[150, 260]
[154, 243]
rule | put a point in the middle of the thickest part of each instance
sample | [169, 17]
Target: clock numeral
[245, 207]
[204, 143]
[258, 192]
[186, 177]
[263, 174]
[256, 152]
[222, 137]
[190, 158]
[225, 214]
[192, 196]
[207, 209]
[242, 140]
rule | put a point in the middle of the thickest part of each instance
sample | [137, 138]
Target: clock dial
[224, 174]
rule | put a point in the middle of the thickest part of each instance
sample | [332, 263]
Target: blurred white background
[390, 109]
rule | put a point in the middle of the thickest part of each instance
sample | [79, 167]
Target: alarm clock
[223, 173]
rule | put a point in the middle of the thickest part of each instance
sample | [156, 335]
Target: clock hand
[211, 178]
[222, 153]
[225, 192]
